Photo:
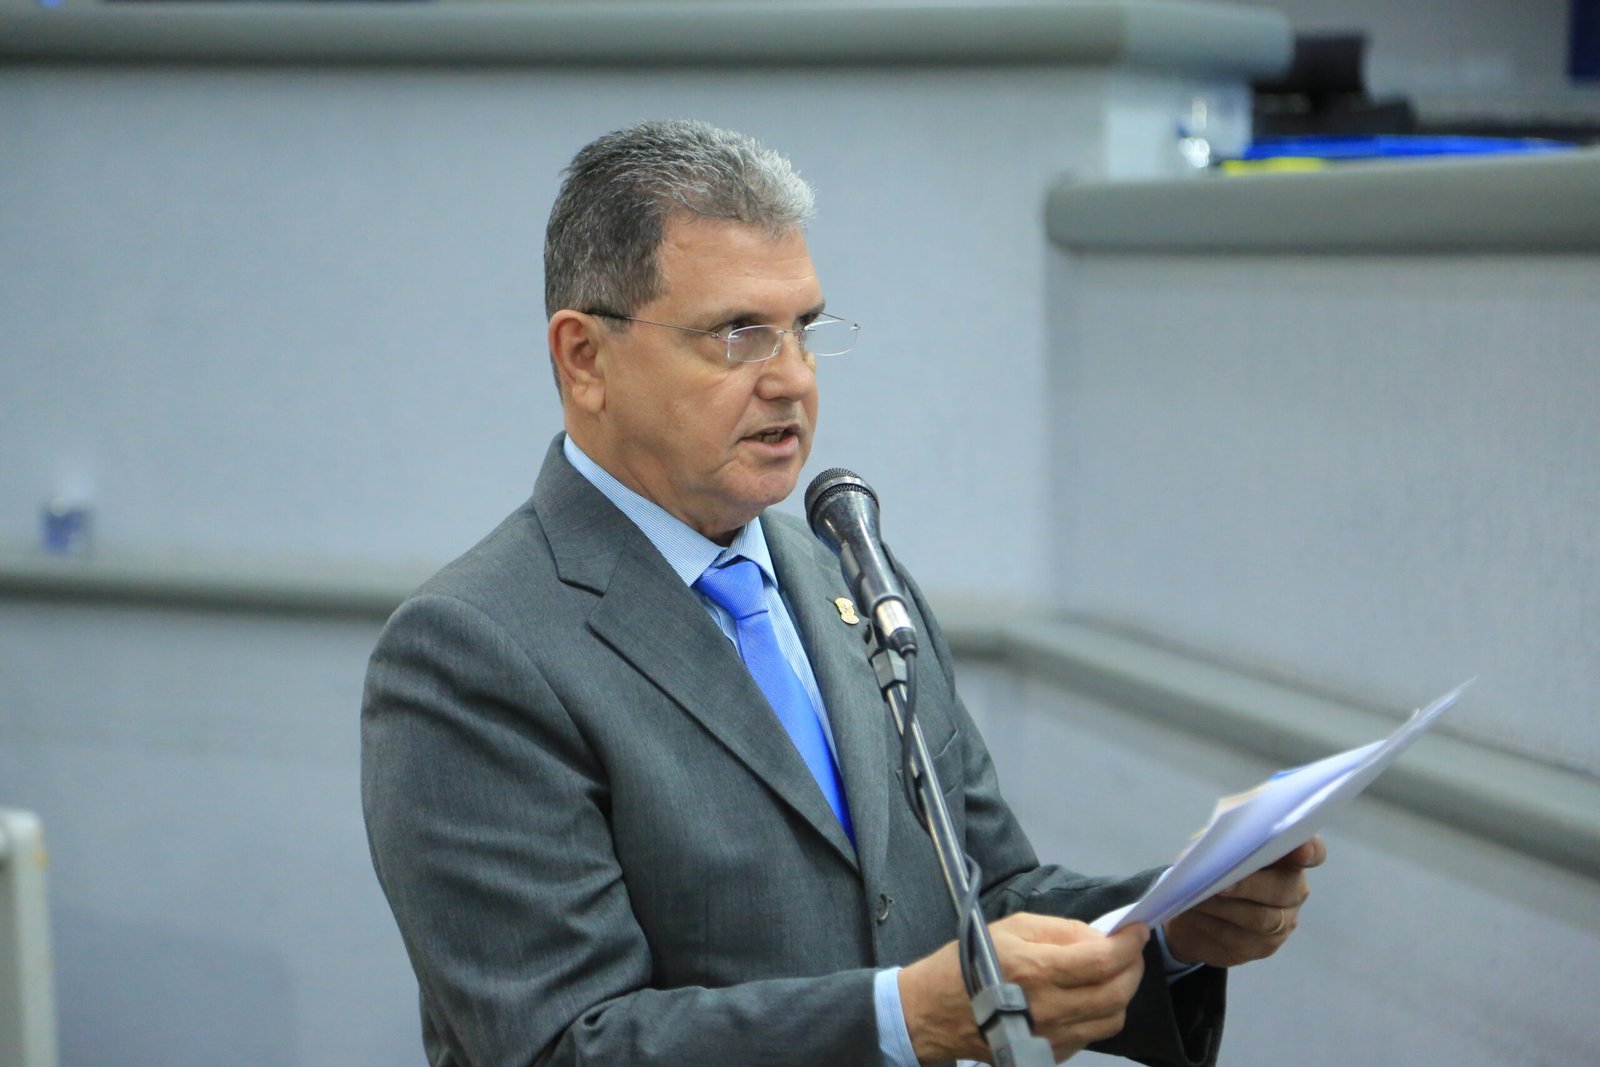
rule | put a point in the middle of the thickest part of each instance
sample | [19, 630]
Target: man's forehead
[735, 262]
[684, 229]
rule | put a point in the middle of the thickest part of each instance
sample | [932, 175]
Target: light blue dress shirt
[689, 553]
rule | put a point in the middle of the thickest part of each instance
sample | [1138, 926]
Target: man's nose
[793, 367]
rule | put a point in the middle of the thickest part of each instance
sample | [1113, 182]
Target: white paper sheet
[1250, 830]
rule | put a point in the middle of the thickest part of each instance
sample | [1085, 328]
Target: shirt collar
[687, 551]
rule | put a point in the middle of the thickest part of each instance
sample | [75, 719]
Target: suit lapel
[658, 625]
[860, 723]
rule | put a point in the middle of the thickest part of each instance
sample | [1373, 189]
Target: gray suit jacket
[601, 847]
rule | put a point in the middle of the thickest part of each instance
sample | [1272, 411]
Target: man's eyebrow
[756, 317]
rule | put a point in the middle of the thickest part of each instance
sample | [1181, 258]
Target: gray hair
[602, 245]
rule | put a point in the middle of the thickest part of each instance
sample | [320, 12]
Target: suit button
[885, 902]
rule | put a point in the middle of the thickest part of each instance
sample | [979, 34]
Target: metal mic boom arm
[842, 510]
[1000, 1008]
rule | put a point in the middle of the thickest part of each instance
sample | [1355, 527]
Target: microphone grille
[830, 483]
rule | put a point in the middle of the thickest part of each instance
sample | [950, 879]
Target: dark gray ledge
[1168, 34]
[1518, 203]
[315, 588]
[1535, 808]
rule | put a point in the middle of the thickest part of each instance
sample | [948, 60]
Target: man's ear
[575, 344]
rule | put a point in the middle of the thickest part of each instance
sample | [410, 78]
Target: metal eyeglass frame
[744, 332]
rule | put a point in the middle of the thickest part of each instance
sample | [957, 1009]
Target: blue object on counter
[64, 527]
[1395, 146]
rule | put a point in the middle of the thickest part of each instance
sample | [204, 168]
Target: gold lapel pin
[847, 611]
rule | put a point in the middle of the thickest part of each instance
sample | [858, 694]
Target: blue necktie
[737, 588]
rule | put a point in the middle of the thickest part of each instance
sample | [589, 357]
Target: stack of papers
[1250, 830]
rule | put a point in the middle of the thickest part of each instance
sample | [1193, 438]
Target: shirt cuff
[1173, 967]
[894, 1041]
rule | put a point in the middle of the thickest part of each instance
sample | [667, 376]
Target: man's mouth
[774, 436]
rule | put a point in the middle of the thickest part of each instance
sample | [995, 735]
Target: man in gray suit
[601, 844]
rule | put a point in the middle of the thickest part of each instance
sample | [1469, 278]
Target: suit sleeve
[1168, 1024]
[487, 816]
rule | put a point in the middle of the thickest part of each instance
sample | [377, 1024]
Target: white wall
[1378, 474]
[1419, 945]
[211, 898]
[301, 312]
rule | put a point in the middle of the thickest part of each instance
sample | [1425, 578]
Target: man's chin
[772, 488]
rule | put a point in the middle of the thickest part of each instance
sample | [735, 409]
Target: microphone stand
[999, 1007]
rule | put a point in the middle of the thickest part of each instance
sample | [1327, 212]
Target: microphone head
[829, 484]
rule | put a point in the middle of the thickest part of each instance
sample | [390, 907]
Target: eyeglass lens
[830, 337]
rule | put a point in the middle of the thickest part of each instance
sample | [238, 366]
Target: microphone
[843, 512]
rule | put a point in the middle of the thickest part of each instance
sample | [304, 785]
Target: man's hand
[1078, 983]
[1252, 920]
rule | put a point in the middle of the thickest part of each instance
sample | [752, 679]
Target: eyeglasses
[829, 335]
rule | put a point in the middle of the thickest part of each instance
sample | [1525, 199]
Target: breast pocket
[947, 760]
[948, 754]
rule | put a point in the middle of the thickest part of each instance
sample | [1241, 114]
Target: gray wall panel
[1418, 945]
[1380, 473]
